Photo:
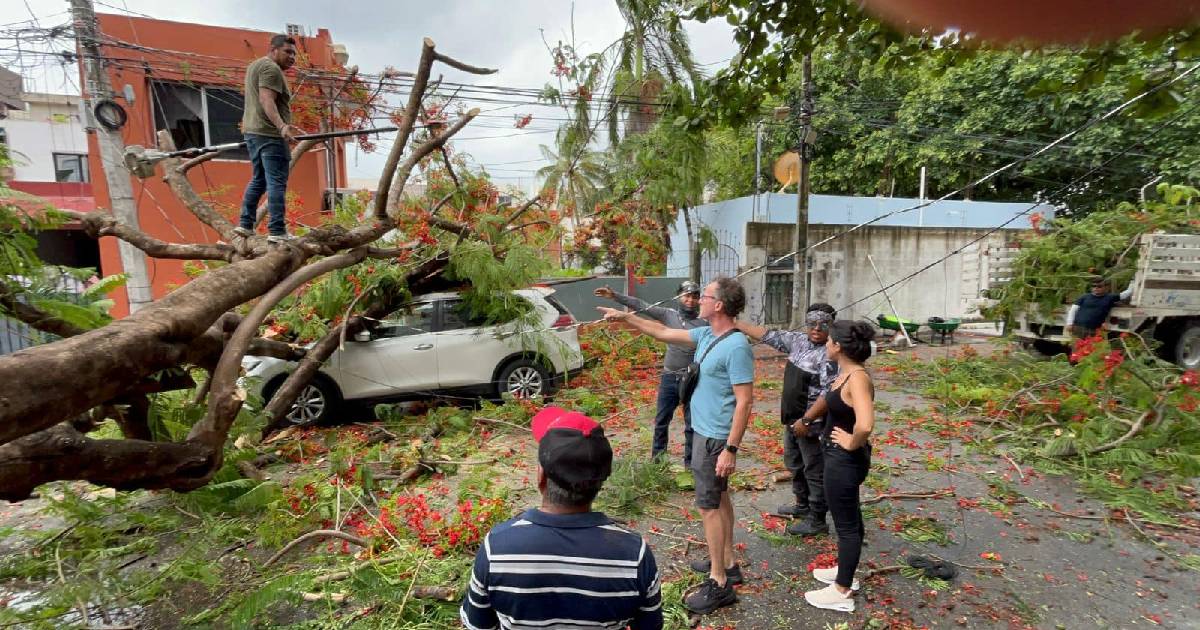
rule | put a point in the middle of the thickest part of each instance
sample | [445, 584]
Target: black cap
[572, 448]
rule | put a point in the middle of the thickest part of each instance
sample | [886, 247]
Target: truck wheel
[1187, 347]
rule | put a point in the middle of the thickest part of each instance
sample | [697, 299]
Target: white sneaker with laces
[830, 598]
[829, 575]
[243, 232]
[279, 238]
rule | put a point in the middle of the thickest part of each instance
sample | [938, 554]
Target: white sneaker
[243, 232]
[829, 575]
[280, 238]
[830, 598]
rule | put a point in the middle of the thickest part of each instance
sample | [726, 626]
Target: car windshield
[414, 319]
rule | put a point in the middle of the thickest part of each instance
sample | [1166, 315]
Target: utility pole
[112, 150]
[804, 149]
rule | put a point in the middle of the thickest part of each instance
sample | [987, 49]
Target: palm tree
[575, 172]
[654, 51]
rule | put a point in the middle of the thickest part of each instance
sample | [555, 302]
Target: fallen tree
[211, 323]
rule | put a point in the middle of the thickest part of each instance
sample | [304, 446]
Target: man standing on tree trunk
[686, 317]
[267, 128]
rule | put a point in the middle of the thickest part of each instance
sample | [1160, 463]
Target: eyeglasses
[707, 297]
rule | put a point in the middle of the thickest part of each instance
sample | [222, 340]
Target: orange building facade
[187, 79]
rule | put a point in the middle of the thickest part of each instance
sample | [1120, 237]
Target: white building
[46, 140]
[935, 254]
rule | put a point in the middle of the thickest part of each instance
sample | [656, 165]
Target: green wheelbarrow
[890, 322]
[943, 328]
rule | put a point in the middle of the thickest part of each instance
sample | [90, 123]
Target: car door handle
[423, 346]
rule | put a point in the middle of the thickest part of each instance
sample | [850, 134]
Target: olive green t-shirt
[265, 73]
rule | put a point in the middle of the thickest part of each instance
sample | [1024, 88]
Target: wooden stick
[908, 495]
[320, 533]
[1014, 464]
[504, 422]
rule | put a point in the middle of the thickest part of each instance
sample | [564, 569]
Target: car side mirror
[362, 335]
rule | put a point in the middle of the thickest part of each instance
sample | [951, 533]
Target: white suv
[430, 348]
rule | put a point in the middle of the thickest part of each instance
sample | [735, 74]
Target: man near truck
[1091, 310]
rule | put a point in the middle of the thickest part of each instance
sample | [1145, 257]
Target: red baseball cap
[572, 448]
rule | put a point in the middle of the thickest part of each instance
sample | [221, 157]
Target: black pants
[844, 473]
[805, 458]
[668, 401]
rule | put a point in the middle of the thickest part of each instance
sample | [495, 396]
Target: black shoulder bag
[691, 374]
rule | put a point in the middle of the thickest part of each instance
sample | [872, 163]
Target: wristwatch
[731, 448]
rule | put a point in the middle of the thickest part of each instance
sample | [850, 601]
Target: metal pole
[757, 166]
[921, 214]
[112, 151]
[883, 289]
[800, 258]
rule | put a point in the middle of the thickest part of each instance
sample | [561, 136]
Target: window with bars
[198, 116]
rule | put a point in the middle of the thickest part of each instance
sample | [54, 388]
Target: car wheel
[315, 404]
[524, 378]
[1187, 348]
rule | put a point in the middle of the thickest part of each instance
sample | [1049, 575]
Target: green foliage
[1056, 267]
[881, 118]
[914, 573]
[634, 484]
[772, 38]
[26, 277]
[1080, 419]
[922, 530]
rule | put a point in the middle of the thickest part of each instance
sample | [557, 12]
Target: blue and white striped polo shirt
[570, 571]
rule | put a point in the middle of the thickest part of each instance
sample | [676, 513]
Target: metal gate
[777, 302]
[724, 262]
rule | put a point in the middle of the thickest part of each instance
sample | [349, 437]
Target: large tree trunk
[45, 385]
[693, 247]
[45, 389]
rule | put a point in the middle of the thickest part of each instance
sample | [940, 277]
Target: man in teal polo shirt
[720, 409]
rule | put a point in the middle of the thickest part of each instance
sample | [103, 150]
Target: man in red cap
[563, 565]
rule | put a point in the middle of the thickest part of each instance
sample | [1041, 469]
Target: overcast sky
[504, 34]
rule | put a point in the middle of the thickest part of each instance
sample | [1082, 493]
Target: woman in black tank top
[849, 420]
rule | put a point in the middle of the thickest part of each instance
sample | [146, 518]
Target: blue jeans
[668, 400]
[269, 160]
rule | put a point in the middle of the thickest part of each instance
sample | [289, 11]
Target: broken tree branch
[177, 179]
[62, 453]
[384, 192]
[937, 494]
[320, 533]
[458, 65]
[98, 224]
[427, 147]
[224, 401]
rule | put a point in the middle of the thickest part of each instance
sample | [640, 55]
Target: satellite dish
[787, 169]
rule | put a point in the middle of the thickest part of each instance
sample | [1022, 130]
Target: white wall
[43, 129]
[842, 275]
